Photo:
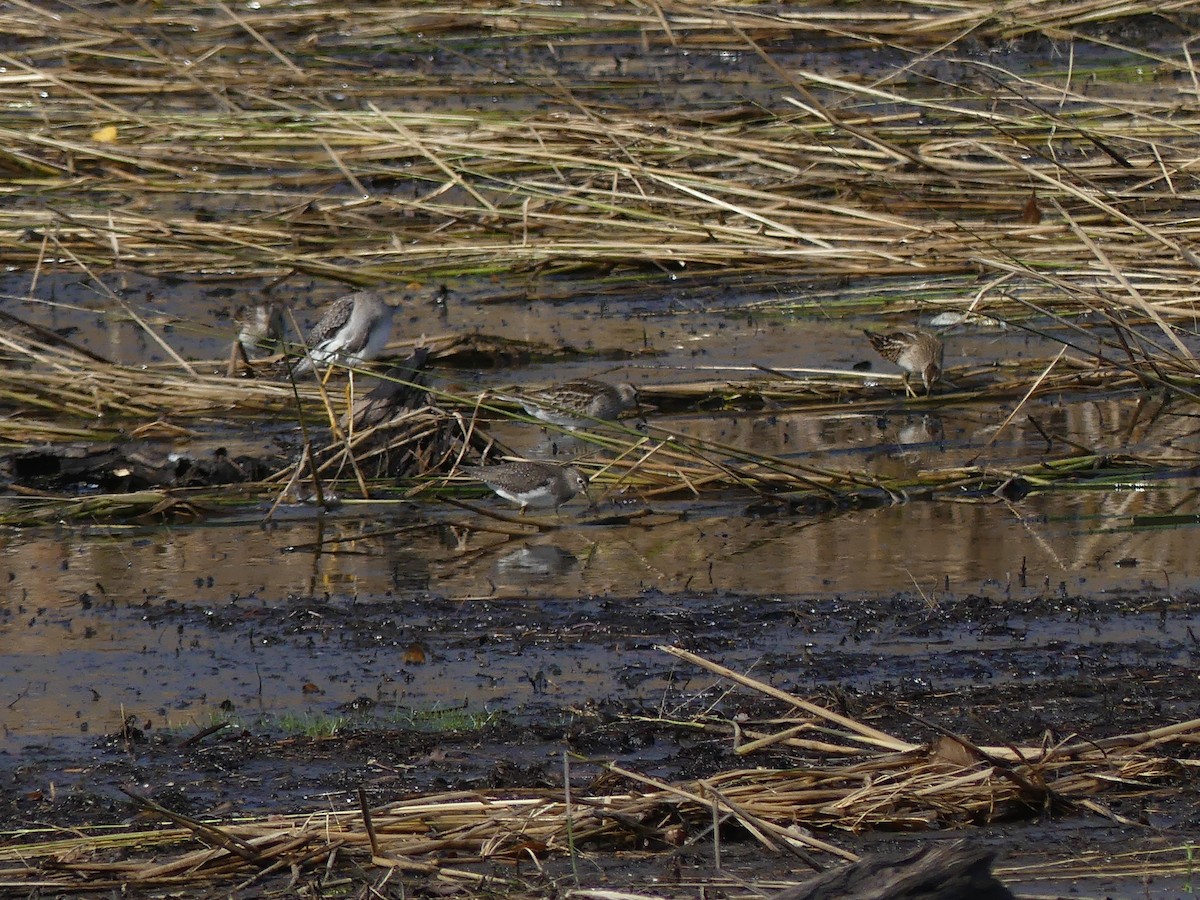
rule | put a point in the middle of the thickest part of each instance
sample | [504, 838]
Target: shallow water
[112, 621]
[82, 621]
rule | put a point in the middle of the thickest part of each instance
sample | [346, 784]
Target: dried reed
[855, 778]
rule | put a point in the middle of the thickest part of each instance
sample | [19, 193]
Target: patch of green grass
[311, 725]
[319, 725]
[442, 719]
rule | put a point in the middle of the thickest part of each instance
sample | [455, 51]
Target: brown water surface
[83, 628]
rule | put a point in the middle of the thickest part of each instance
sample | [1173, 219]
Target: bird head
[631, 398]
[930, 375]
[578, 482]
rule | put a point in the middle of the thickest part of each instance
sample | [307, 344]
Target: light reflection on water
[1060, 536]
[78, 607]
[77, 615]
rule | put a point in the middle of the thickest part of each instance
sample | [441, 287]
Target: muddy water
[160, 622]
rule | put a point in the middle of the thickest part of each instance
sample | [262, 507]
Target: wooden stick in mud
[206, 832]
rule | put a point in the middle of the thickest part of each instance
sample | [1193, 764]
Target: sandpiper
[353, 330]
[575, 403]
[260, 328]
[531, 483]
[916, 352]
[260, 331]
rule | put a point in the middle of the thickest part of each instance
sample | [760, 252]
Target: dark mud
[208, 687]
[1026, 672]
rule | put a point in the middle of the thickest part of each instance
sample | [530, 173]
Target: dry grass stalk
[850, 182]
[943, 784]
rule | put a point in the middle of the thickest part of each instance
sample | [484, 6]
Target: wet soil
[204, 666]
[1023, 671]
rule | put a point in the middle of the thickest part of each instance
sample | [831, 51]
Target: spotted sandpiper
[916, 352]
[575, 403]
[531, 483]
[353, 330]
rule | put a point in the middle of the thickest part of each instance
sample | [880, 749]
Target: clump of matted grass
[66, 399]
[856, 778]
[325, 157]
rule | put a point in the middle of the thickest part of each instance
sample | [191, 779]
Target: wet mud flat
[683, 198]
[588, 677]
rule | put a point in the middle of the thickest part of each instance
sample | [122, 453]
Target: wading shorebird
[260, 332]
[353, 330]
[916, 352]
[573, 404]
[531, 483]
[260, 328]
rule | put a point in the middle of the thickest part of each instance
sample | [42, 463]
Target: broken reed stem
[368, 823]
[1020, 405]
[569, 817]
[229, 842]
[862, 732]
[779, 807]
[716, 833]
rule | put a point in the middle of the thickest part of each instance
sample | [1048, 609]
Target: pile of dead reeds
[855, 778]
[65, 399]
[1058, 187]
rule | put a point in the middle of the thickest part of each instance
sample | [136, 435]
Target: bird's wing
[335, 317]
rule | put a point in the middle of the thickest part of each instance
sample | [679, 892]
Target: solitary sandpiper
[353, 330]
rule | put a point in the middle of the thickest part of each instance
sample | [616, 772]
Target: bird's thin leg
[909, 390]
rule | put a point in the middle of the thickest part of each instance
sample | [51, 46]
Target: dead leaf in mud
[951, 751]
[415, 655]
[442, 754]
[1031, 214]
[675, 836]
[310, 688]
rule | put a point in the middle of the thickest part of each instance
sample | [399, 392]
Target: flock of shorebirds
[355, 330]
